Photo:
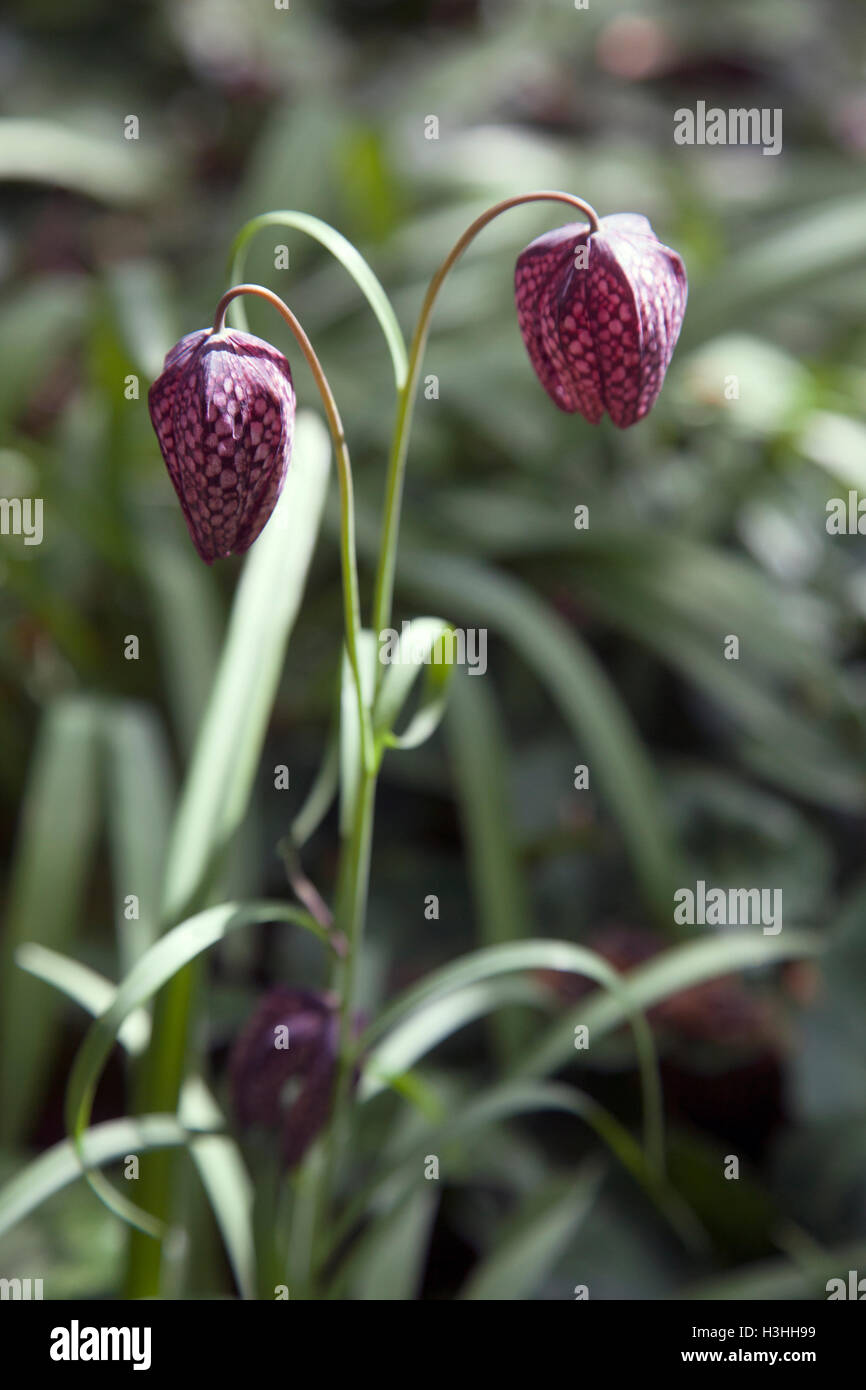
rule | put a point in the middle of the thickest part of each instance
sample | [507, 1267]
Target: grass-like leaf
[56, 841]
[499, 888]
[425, 1014]
[350, 258]
[535, 1237]
[220, 778]
[61, 1165]
[586, 698]
[140, 796]
[423, 644]
[677, 969]
[170, 955]
[216, 1156]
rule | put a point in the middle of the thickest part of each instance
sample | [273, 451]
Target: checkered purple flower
[600, 313]
[224, 412]
[284, 1067]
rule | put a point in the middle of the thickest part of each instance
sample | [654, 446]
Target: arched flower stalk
[600, 304]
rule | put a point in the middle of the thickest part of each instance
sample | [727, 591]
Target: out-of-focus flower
[224, 413]
[600, 313]
[723, 1044]
[283, 1067]
[634, 47]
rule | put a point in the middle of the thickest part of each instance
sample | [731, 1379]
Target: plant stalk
[384, 594]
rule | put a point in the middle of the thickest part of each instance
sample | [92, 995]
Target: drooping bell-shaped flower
[284, 1066]
[224, 412]
[600, 313]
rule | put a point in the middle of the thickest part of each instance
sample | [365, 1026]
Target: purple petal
[260, 1070]
[537, 274]
[223, 410]
[637, 299]
[600, 335]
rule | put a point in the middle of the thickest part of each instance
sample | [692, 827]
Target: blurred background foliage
[606, 645]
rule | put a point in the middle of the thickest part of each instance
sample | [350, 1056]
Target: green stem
[351, 597]
[351, 914]
[406, 398]
[163, 1069]
[157, 1092]
[352, 894]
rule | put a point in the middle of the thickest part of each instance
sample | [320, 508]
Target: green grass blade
[56, 841]
[61, 1165]
[677, 969]
[418, 1034]
[350, 758]
[535, 1237]
[350, 258]
[217, 1157]
[479, 763]
[423, 645]
[188, 626]
[97, 166]
[418, 1014]
[85, 987]
[220, 778]
[170, 955]
[510, 1100]
[225, 1179]
[586, 698]
[320, 797]
[387, 1264]
[140, 796]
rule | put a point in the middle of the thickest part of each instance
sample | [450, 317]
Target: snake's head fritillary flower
[284, 1067]
[224, 413]
[600, 312]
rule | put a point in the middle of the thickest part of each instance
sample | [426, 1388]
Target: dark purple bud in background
[600, 314]
[283, 1067]
[224, 413]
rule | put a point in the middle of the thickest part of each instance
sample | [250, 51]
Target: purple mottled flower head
[290, 1044]
[224, 413]
[600, 313]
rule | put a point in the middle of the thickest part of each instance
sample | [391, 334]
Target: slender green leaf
[388, 1262]
[427, 1026]
[500, 892]
[536, 1237]
[85, 987]
[217, 1157]
[171, 953]
[350, 725]
[226, 755]
[225, 1179]
[56, 841]
[62, 1164]
[140, 795]
[145, 309]
[106, 167]
[188, 626]
[347, 255]
[428, 644]
[677, 969]
[320, 796]
[587, 700]
[515, 1098]
[426, 1012]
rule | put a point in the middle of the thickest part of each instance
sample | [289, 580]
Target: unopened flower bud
[224, 412]
[600, 313]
